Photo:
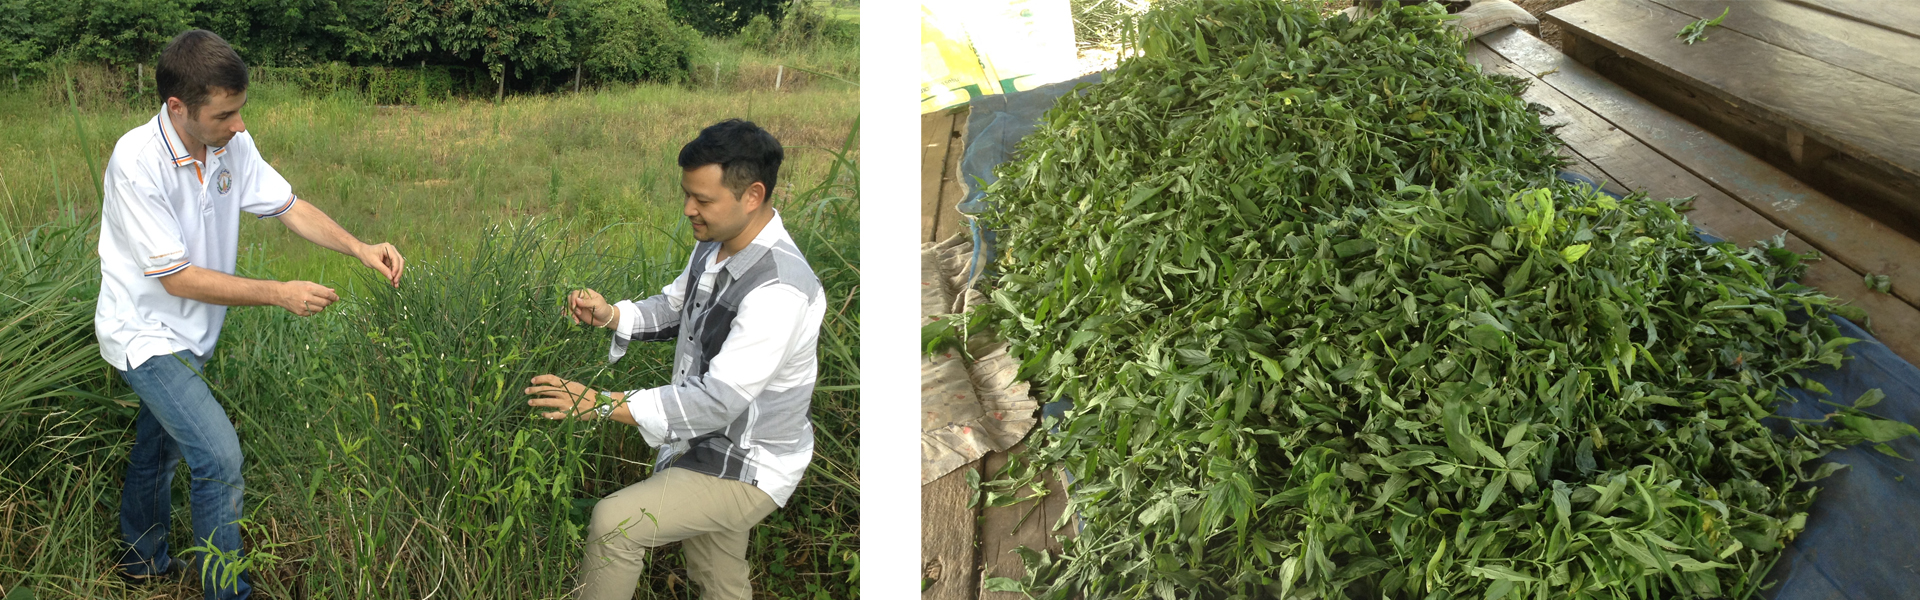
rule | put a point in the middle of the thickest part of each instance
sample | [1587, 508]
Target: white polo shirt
[165, 210]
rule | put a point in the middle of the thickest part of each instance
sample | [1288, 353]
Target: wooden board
[1631, 163]
[1888, 56]
[1893, 15]
[951, 192]
[1888, 199]
[1638, 165]
[1823, 101]
[1027, 524]
[1834, 228]
[948, 528]
[936, 133]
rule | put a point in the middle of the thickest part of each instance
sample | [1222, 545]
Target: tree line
[501, 40]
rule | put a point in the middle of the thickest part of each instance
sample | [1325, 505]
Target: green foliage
[725, 17]
[1334, 329]
[539, 41]
[1697, 30]
[46, 317]
[805, 26]
[635, 40]
[759, 33]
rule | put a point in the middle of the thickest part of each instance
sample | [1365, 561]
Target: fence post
[716, 73]
[576, 78]
[140, 75]
[778, 74]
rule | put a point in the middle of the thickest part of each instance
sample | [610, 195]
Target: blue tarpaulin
[1862, 540]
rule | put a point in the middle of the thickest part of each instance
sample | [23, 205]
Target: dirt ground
[1537, 8]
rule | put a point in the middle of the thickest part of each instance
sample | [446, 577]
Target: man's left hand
[385, 259]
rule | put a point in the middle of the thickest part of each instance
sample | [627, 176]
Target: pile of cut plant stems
[1333, 328]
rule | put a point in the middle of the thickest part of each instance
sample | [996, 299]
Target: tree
[632, 40]
[724, 17]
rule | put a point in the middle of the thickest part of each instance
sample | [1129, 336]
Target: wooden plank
[936, 129]
[951, 190]
[1024, 524]
[1893, 15]
[1824, 101]
[1878, 53]
[1631, 163]
[1835, 229]
[948, 527]
[1638, 166]
[1882, 196]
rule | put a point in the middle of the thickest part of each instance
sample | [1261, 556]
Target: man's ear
[756, 190]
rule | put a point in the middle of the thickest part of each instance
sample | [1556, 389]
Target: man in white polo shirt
[169, 232]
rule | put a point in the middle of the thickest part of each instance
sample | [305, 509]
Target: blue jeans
[180, 419]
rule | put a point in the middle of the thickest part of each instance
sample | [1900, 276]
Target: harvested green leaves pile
[1334, 329]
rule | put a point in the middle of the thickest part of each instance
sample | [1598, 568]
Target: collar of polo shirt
[177, 155]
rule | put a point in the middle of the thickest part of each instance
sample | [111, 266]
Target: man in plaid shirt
[731, 427]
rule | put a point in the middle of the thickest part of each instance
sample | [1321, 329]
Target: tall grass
[416, 175]
[389, 451]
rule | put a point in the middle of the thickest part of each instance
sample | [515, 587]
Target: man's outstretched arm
[304, 298]
[307, 221]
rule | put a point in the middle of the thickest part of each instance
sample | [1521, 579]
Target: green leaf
[1350, 248]
[1870, 398]
[1492, 456]
[1080, 338]
[1502, 573]
[1409, 459]
[1574, 253]
[1454, 421]
[1875, 429]
[1889, 451]
[1004, 584]
[1633, 549]
[1270, 366]
[1487, 336]
[1496, 485]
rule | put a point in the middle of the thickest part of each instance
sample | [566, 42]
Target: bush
[724, 17]
[758, 33]
[805, 26]
[637, 40]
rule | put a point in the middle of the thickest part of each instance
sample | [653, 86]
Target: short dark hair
[745, 152]
[194, 63]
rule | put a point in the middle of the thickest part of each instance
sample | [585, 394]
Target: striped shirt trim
[177, 158]
[170, 269]
[283, 208]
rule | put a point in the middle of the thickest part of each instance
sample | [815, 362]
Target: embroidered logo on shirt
[223, 182]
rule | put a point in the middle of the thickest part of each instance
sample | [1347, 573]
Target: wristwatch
[605, 409]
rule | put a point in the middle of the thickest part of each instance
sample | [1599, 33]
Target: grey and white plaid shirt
[745, 331]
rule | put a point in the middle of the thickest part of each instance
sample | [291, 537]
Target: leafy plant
[1334, 329]
[724, 17]
[1697, 30]
[1879, 283]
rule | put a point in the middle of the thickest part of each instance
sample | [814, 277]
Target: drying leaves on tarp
[1334, 329]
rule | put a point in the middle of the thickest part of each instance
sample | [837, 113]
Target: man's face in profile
[716, 213]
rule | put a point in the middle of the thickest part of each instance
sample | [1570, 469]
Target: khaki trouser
[708, 515]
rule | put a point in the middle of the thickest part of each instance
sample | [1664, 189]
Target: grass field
[389, 454]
